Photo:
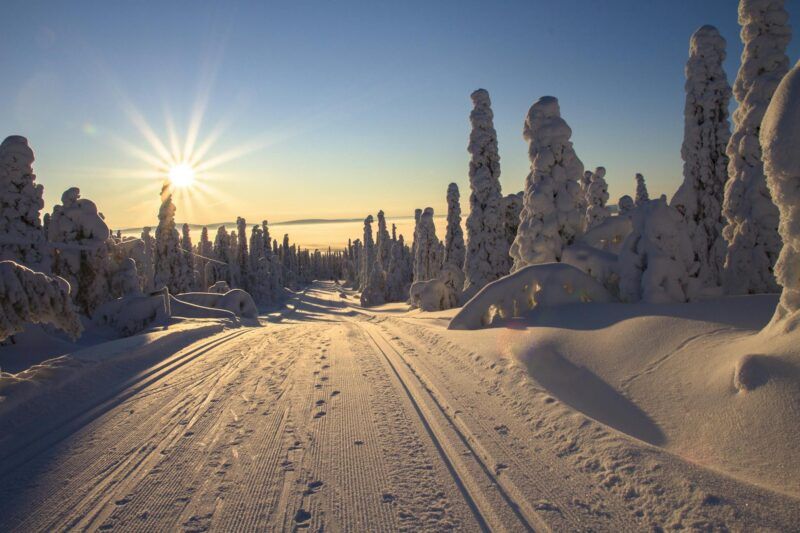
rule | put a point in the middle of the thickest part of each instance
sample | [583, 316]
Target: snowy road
[328, 420]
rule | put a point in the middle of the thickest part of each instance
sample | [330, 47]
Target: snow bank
[430, 295]
[184, 309]
[599, 264]
[220, 287]
[28, 296]
[546, 284]
[610, 234]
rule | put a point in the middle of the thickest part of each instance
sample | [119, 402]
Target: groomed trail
[338, 419]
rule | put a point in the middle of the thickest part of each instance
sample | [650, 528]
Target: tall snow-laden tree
[427, 263]
[706, 132]
[81, 250]
[641, 190]
[512, 208]
[202, 264]
[551, 216]
[367, 255]
[188, 254]
[596, 198]
[148, 268]
[625, 204]
[454, 238]
[170, 267]
[260, 283]
[242, 258]
[752, 218]
[487, 253]
[398, 278]
[383, 242]
[21, 236]
[780, 141]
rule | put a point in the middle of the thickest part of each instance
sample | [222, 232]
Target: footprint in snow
[313, 487]
[302, 516]
[320, 414]
[320, 402]
[335, 393]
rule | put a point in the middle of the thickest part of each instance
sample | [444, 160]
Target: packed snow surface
[333, 417]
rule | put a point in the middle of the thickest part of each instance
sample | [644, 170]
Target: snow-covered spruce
[625, 204]
[32, 297]
[367, 254]
[242, 255]
[780, 140]
[81, 255]
[512, 208]
[147, 269]
[641, 190]
[398, 276]
[454, 251]
[596, 198]
[706, 132]
[426, 254]
[21, 236]
[188, 254]
[656, 258]
[543, 284]
[383, 243]
[551, 214]
[752, 219]
[171, 270]
[374, 292]
[487, 253]
[259, 283]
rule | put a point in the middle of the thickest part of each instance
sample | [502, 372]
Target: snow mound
[430, 295]
[132, 314]
[28, 296]
[547, 284]
[183, 309]
[220, 287]
[237, 301]
[609, 234]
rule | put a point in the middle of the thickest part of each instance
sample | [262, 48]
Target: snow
[170, 267]
[237, 301]
[487, 253]
[427, 260]
[705, 164]
[752, 218]
[454, 252]
[545, 284]
[132, 314]
[28, 296]
[780, 140]
[642, 195]
[552, 216]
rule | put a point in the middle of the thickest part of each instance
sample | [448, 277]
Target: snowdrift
[237, 301]
[547, 284]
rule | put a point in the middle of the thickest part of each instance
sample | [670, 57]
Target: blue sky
[344, 107]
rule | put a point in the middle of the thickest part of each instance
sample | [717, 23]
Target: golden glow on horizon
[182, 176]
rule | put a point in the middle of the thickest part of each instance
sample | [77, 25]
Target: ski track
[337, 419]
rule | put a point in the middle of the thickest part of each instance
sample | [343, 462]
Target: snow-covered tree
[551, 214]
[188, 254]
[427, 262]
[487, 252]
[242, 257]
[625, 204]
[780, 141]
[454, 238]
[641, 190]
[148, 267]
[706, 132]
[80, 238]
[596, 198]
[32, 297]
[398, 277]
[21, 236]
[752, 218]
[512, 209]
[202, 264]
[656, 258]
[383, 243]
[170, 268]
[367, 254]
[260, 286]
[220, 271]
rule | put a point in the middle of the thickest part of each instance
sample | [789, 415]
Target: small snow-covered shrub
[599, 264]
[220, 287]
[546, 284]
[656, 260]
[609, 234]
[131, 314]
[28, 296]
[237, 301]
[596, 198]
[430, 295]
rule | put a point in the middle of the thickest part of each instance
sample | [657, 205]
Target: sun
[181, 175]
